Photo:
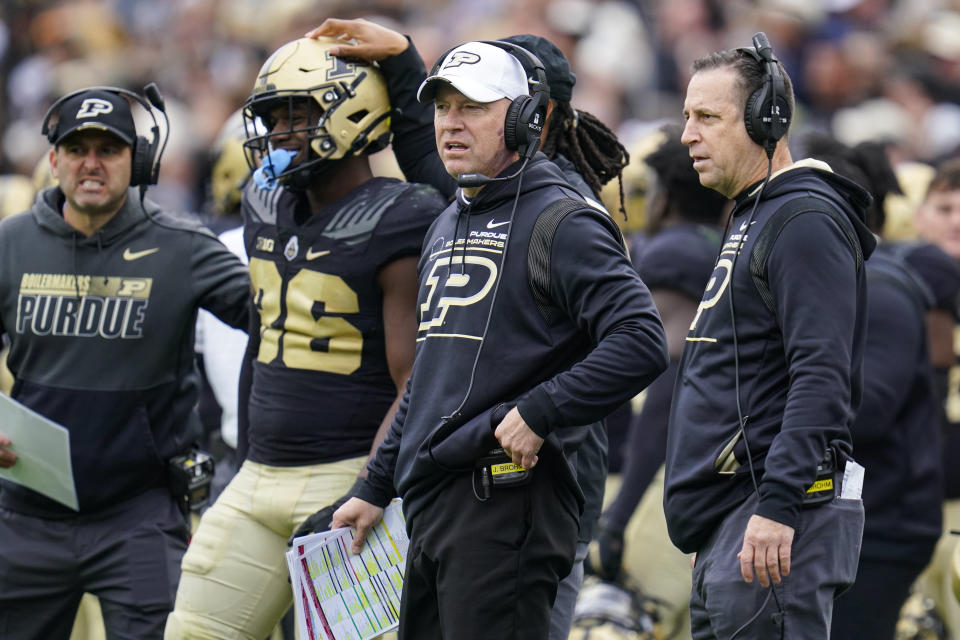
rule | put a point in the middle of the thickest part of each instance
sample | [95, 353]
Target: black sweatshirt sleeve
[221, 280]
[412, 123]
[813, 279]
[593, 283]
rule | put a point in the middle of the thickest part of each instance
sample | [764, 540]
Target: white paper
[43, 453]
[343, 596]
[852, 481]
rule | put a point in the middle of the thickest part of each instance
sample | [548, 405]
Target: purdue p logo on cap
[461, 57]
[93, 107]
[97, 108]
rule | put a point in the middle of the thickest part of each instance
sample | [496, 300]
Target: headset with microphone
[146, 154]
[526, 115]
[523, 126]
[767, 118]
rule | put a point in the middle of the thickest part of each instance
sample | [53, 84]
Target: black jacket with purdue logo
[567, 361]
[799, 364]
[101, 338]
[416, 150]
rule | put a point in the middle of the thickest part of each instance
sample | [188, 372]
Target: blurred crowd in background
[886, 70]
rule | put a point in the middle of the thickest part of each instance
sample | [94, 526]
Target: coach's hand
[361, 39]
[7, 457]
[360, 514]
[518, 440]
[766, 549]
[320, 521]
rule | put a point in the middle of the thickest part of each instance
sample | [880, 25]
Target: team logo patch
[448, 288]
[340, 68]
[59, 304]
[461, 57]
[93, 107]
[292, 249]
[313, 255]
[129, 255]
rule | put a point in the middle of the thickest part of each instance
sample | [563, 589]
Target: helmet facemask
[339, 108]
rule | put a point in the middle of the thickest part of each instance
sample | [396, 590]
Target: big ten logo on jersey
[62, 304]
[264, 244]
[719, 281]
[302, 325]
[455, 281]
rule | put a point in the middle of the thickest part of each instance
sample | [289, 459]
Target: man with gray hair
[533, 324]
[759, 479]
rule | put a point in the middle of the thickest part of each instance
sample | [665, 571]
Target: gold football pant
[662, 570]
[936, 581]
[235, 583]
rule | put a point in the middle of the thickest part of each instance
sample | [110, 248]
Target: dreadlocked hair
[592, 147]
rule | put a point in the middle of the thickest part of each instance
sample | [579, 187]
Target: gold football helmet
[16, 194]
[349, 108]
[230, 164]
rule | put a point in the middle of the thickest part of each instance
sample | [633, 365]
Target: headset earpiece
[767, 112]
[141, 170]
[753, 123]
[511, 131]
[523, 126]
[526, 115]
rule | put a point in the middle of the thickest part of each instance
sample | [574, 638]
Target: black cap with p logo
[97, 110]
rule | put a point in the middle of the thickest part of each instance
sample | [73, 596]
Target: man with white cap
[532, 325]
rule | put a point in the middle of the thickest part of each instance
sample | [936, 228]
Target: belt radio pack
[496, 469]
[190, 477]
[824, 487]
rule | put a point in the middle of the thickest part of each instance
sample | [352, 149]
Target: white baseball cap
[482, 72]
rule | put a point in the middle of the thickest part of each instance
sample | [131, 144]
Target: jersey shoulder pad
[383, 206]
[262, 206]
[417, 205]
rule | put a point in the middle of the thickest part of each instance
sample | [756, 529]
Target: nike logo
[136, 255]
[313, 255]
[743, 227]
[493, 225]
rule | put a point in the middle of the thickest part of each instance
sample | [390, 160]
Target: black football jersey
[321, 384]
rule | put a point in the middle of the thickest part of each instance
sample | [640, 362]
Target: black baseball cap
[559, 76]
[97, 110]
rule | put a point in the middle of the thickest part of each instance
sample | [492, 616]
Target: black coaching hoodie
[800, 364]
[485, 339]
[101, 338]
